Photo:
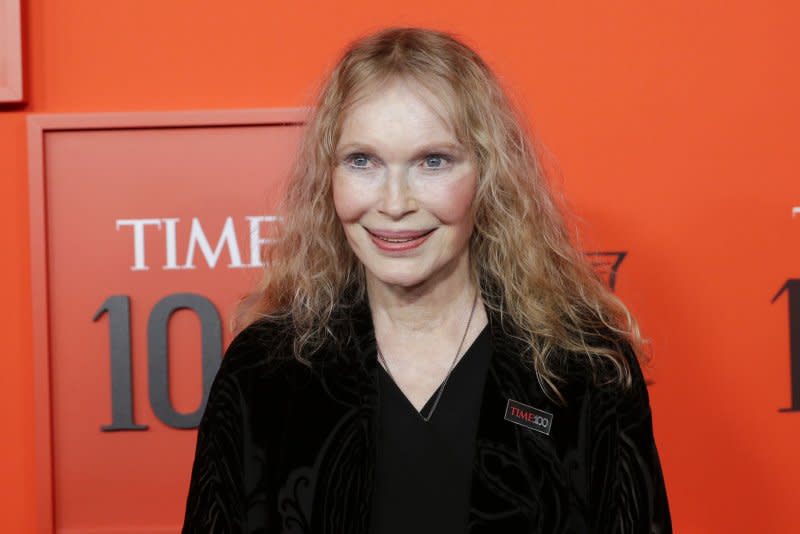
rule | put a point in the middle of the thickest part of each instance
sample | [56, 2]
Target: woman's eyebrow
[354, 146]
[418, 151]
[435, 147]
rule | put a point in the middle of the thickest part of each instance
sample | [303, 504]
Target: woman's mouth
[399, 240]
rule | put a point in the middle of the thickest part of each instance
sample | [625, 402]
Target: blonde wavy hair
[521, 255]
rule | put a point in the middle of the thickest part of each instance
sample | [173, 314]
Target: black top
[423, 468]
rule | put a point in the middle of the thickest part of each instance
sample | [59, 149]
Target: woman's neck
[422, 331]
[438, 304]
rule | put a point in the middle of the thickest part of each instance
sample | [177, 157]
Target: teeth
[397, 240]
[401, 239]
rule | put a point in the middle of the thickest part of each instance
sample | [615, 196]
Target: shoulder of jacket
[260, 350]
[609, 383]
[602, 375]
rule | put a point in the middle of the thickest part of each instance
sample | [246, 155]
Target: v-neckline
[427, 406]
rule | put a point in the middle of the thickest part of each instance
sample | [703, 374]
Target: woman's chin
[406, 280]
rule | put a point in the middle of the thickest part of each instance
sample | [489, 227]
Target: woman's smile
[399, 241]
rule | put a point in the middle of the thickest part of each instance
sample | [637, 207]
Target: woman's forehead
[369, 97]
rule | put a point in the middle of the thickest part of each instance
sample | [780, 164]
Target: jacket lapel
[525, 480]
[500, 495]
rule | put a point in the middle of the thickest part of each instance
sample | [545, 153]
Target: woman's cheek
[346, 199]
[455, 200]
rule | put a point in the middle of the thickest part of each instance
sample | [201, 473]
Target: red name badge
[529, 417]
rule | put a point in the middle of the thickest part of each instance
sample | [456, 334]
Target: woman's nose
[397, 197]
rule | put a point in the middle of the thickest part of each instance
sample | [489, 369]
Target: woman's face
[403, 187]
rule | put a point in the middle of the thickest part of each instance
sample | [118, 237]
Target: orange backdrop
[671, 126]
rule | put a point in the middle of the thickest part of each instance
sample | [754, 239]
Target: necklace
[452, 366]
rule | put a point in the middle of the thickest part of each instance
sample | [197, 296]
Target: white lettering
[138, 239]
[227, 238]
[256, 241]
[171, 244]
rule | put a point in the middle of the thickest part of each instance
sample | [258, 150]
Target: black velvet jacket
[285, 449]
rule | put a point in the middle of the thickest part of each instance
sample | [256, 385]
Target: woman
[427, 351]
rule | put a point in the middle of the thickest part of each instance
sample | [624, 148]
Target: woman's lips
[399, 240]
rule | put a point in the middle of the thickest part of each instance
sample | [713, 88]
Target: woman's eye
[358, 161]
[436, 161]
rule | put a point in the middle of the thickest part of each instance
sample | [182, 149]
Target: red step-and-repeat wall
[141, 169]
